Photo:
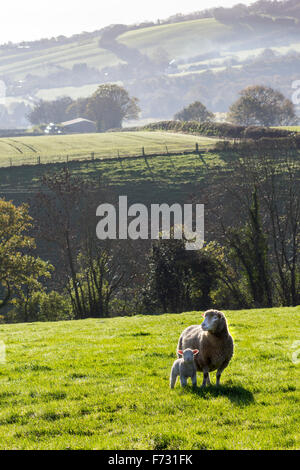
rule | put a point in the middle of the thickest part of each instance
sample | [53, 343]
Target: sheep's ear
[180, 352]
[195, 352]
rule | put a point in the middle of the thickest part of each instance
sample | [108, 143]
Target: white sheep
[184, 367]
[213, 341]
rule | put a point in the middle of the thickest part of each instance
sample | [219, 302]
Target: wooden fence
[113, 155]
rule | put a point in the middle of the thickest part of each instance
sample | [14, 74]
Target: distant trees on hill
[262, 106]
[108, 107]
[194, 112]
[55, 111]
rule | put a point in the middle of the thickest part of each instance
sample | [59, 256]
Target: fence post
[167, 149]
[143, 151]
[67, 158]
[38, 160]
[197, 147]
[10, 161]
[93, 155]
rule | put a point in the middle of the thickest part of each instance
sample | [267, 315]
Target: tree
[18, 268]
[91, 271]
[110, 105]
[265, 241]
[179, 279]
[194, 112]
[250, 246]
[55, 111]
[262, 106]
[168, 275]
[78, 109]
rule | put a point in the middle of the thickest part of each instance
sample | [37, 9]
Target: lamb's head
[214, 322]
[188, 354]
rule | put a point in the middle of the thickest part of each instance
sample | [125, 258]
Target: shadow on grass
[235, 393]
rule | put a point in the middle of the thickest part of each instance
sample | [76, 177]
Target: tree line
[111, 104]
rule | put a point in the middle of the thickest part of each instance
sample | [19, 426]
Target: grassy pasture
[160, 179]
[103, 384]
[19, 150]
[187, 38]
[44, 61]
[176, 38]
[291, 128]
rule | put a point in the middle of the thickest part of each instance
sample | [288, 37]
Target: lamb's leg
[183, 381]
[173, 378]
[194, 380]
[206, 379]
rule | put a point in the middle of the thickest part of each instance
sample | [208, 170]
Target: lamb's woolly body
[184, 370]
[215, 347]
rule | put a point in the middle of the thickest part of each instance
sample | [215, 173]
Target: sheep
[214, 342]
[184, 367]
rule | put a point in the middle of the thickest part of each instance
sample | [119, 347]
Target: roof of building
[76, 121]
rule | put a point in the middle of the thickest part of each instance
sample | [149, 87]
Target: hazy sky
[33, 19]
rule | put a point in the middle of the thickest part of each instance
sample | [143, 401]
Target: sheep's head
[214, 322]
[188, 354]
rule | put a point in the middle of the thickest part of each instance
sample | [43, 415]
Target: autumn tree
[19, 269]
[194, 112]
[54, 111]
[262, 106]
[110, 105]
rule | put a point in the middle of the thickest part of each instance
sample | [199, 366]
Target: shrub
[41, 306]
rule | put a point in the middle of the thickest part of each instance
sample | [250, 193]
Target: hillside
[103, 384]
[180, 40]
[20, 150]
[175, 38]
[208, 56]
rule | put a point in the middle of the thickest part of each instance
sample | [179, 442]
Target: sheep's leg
[218, 375]
[219, 372]
[206, 379]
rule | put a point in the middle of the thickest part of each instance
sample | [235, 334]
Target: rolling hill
[20, 150]
[180, 40]
[177, 39]
[103, 384]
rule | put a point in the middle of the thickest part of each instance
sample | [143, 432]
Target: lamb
[214, 342]
[184, 367]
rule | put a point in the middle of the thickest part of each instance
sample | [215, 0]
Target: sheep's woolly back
[215, 348]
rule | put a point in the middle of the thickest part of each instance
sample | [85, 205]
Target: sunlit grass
[103, 384]
[48, 149]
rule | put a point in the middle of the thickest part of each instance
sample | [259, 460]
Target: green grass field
[20, 150]
[187, 38]
[103, 384]
[43, 61]
[153, 180]
[291, 128]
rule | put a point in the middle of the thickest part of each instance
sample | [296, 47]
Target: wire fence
[105, 155]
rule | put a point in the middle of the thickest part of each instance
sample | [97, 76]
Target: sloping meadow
[104, 384]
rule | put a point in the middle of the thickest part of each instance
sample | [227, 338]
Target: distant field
[45, 61]
[72, 91]
[104, 384]
[187, 39]
[20, 150]
[291, 128]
